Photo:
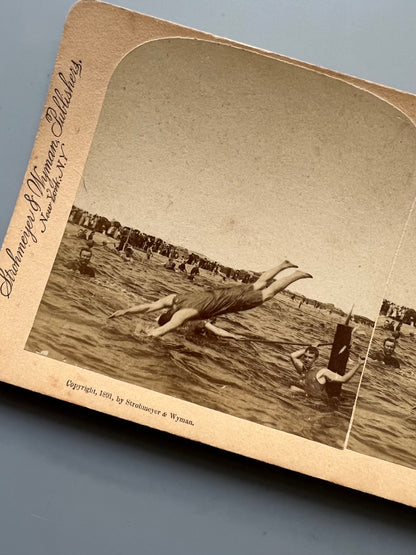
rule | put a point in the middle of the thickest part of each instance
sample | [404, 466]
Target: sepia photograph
[231, 239]
[385, 416]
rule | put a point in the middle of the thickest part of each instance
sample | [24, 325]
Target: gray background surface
[73, 481]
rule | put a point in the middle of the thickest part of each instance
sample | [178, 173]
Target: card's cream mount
[98, 41]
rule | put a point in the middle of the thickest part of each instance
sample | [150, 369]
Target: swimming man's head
[309, 357]
[85, 256]
[388, 346]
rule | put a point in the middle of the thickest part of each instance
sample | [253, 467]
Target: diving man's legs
[266, 277]
[277, 286]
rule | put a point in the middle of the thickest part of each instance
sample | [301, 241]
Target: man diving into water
[204, 305]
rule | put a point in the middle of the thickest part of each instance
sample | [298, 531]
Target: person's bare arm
[296, 359]
[297, 356]
[220, 332]
[177, 320]
[334, 377]
[166, 302]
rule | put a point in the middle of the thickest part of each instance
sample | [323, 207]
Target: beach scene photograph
[232, 236]
[385, 416]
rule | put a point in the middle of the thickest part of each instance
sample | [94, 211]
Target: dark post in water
[339, 357]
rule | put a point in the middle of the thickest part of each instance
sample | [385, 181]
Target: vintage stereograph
[216, 241]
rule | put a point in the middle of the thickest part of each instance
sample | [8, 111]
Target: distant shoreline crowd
[131, 238]
[399, 314]
[137, 239]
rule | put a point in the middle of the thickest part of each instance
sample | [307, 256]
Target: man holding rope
[205, 305]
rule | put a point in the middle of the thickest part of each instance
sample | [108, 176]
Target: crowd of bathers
[397, 315]
[127, 236]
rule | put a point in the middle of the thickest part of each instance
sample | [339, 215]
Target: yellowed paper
[225, 160]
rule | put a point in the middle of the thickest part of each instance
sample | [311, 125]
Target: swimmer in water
[204, 305]
[313, 379]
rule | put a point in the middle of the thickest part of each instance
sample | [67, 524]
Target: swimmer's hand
[118, 313]
[319, 344]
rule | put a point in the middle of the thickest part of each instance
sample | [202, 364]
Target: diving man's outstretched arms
[165, 302]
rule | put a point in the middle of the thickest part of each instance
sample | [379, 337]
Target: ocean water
[249, 380]
[384, 423]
